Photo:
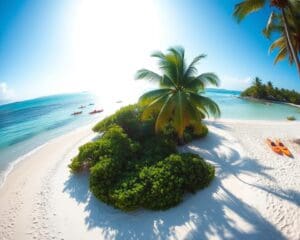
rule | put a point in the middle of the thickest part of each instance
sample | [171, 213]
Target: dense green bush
[194, 132]
[131, 167]
[103, 176]
[128, 118]
[269, 92]
[114, 144]
[159, 186]
[291, 118]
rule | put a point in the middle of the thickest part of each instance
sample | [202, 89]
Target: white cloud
[5, 92]
[235, 83]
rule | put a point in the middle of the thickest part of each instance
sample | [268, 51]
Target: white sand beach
[255, 194]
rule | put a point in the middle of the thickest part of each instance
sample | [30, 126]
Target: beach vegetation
[178, 101]
[283, 19]
[267, 91]
[140, 169]
[275, 27]
[291, 118]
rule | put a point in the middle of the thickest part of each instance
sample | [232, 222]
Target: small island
[268, 92]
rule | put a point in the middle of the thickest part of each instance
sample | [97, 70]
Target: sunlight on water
[29, 124]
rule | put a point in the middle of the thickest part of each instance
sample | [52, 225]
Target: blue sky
[55, 46]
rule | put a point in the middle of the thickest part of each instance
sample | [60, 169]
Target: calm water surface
[26, 125]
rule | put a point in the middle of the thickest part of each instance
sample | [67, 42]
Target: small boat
[96, 111]
[81, 107]
[76, 113]
[118, 101]
[91, 104]
[283, 148]
[273, 146]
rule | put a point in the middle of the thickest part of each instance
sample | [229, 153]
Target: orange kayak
[273, 146]
[283, 148]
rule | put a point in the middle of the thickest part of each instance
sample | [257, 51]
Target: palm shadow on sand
[203, 213]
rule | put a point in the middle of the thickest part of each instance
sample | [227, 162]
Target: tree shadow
[201, 215]
[288, 195]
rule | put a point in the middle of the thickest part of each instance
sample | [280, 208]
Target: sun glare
[109, 41]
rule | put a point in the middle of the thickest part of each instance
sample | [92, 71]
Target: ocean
[26, 125]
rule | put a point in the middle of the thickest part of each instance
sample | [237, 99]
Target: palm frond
[177, 55]
[209, 79]
[278, 43]
[153, 107]
[192, 70]
[273, 25]
[206, 103]
[246, 7]
[167, 82]
[158, 54]
[147, 74]
[282, 54]
[153, 95]
[165, 114]
[194, 84]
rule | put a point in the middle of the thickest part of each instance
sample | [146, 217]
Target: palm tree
[178, 101]
[257, 82]
[275, 25]
[286, 7]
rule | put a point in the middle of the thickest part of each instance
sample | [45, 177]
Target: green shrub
[291, 118]
[127, 194]
[157, 148]
[128, 118]
[103, 176]
[131, 167]
[196, 173]
[159, 186]
[193, 132]
[168, 180]
[75, 165]
[113, 144]
[163, 187]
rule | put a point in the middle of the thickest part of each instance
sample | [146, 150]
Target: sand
[255, 195]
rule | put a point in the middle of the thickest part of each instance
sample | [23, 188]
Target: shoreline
[268, 101]
[40, 199]
[14, 163]
[23, 157]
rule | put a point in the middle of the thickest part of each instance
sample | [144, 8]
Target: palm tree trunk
[289, 41]
[181, 138]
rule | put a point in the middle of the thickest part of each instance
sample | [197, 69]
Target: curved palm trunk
[180, 137]
[289, 41]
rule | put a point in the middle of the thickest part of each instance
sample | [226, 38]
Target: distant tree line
[269, 92]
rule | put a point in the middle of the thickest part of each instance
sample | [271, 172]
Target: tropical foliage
[283, 19]
[139, 169]
[275, 26]
[269, 92]
[178, 101]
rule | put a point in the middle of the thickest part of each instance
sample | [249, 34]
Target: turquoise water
[234, 107]
[26, 125]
